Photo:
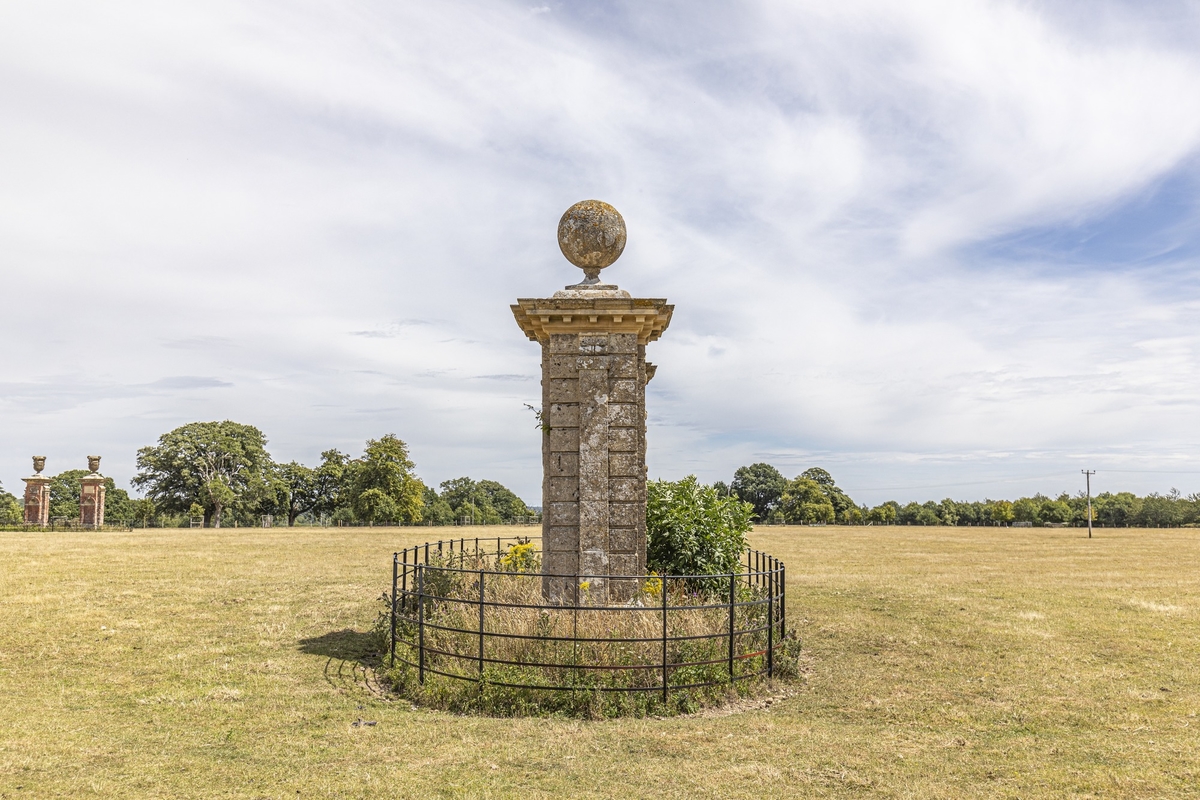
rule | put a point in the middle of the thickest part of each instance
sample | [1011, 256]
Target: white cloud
[313, 220]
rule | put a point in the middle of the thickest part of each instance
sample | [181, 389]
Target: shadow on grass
[351, 659]
[344, 645]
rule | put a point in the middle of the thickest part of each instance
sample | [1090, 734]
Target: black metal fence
[462, 609]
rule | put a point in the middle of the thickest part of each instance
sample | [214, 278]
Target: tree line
[222, 472]
[813, 498]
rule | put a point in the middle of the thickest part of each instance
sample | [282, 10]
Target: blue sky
[939, 248]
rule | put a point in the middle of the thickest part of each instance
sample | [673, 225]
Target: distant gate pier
[37, 495]
[91, 496]
[594, 375]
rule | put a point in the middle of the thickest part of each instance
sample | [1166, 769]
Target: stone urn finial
[591, 234]
[94, 463]
[39, 464]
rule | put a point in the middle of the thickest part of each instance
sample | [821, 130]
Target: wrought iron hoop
[412, 568]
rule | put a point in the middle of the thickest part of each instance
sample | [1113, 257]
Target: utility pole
[1088, 473]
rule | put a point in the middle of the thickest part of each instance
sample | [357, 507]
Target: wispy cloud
[913, 241]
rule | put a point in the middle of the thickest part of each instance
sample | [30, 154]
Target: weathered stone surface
[622, 564]
[625, 515]
[593, 567]
[591, 234]
[561, 489]
[562, 367]
[562, 464]
[560, 562]
[625, 465]
[594, 374]
[560, 514]
[626, 487]
[623, 391]
[623, 343]
[623, 366]
[563, 538]
[563, 440]
[624, 415]
[563, 343]
[625, 440]
[563, 415]
[560, 390]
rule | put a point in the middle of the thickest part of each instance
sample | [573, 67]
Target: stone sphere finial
[591, 234]
[39, 464]
[94, 463]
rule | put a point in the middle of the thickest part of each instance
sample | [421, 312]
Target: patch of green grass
[938, 662]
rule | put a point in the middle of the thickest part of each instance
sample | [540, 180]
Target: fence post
[575, 630]
[404, 579]
[663, 589]
[421, 624]
[782, 600]
[732, 594]
[770, 621]
[481, 626]
[395, 570]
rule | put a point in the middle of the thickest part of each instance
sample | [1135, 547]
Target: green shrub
[692, 530]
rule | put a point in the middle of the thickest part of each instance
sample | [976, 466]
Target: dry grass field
[939, 663]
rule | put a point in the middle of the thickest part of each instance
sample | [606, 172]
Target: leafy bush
[694, 531]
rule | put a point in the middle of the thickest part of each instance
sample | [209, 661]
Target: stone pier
[594, 374]
[37, 495]
[91, 496]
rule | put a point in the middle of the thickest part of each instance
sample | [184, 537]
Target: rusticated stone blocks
[594, 375]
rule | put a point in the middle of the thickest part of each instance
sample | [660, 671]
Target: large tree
[507, 504]
[64, 494]
[11, 510]
[804, 502]
[212, 464]
[381, 485]
[844, 509]
[297, 485]
[760, 485]
[311, 490]
[485, 502]
[437, 511]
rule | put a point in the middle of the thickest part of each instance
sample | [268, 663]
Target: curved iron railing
[437, 587]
